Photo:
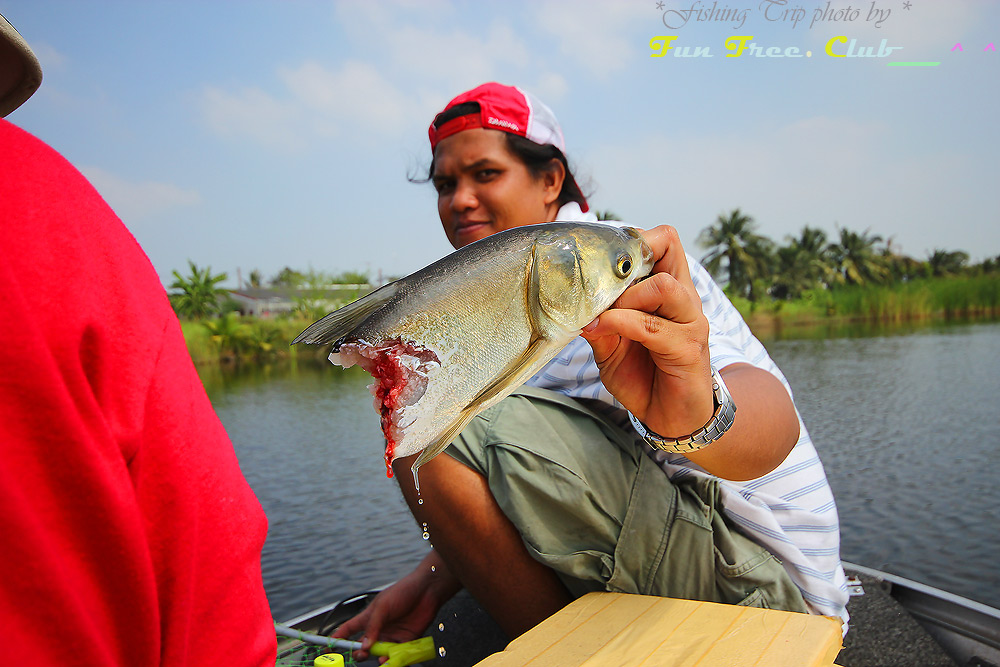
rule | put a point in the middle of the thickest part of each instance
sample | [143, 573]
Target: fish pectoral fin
[342, 321]
[517, 373]
[439, 445]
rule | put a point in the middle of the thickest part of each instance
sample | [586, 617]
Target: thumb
[373, 628]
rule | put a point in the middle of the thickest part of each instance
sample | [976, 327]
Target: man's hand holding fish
[652, 349]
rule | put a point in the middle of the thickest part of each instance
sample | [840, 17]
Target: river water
[905, 422]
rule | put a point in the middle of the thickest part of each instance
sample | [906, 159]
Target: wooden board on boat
[610, 629]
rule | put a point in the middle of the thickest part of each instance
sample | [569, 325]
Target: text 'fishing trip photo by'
[644, 333]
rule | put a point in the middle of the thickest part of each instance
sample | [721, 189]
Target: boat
[894, 621]
[898, 621]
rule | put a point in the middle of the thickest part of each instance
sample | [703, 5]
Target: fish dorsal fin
[342, 321]
[513, 376]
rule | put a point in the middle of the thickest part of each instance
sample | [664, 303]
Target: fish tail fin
[341, 322]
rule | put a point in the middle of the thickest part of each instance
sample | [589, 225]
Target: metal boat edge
[968, 631]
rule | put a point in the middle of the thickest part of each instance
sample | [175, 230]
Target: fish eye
[624, 265]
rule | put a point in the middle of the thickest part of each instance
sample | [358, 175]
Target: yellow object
[407, 653]
[329, 660]
[618, 630]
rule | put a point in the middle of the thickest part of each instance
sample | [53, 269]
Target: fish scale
[493, 312]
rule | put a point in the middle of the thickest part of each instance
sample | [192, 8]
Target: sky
[265, 134]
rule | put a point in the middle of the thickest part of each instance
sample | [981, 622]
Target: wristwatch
[721, 421]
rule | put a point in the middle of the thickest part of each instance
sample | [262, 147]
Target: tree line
[197, 295]
[748, 265]
[752, 266]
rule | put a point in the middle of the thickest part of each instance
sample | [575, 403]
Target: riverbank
[234, 340]
[847, 311]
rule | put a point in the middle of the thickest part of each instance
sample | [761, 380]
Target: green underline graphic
[914, 64]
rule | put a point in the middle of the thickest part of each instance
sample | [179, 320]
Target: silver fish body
[469, 329]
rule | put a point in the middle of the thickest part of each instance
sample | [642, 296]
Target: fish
[456, 337]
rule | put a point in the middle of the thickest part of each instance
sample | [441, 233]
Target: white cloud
[354, 95]
[134, 201]
[404, 67]
[458, 58]
[48, 55]
[550, 87]
[314, 102]
[415, 42]
[821, 171]
[254, 113]
[925, 28]
[595, 34]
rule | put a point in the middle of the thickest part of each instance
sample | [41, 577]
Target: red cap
[505, 108]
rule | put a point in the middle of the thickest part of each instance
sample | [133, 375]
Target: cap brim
[20, 71]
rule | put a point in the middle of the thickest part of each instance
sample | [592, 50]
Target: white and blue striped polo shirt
[791, 510]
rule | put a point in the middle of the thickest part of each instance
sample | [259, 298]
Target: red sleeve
[129, 533]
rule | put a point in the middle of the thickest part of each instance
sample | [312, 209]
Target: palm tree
[857, 259]
[902, 268]
[805, 263]
[608, 214]
[945, 263]
[199, 294]
[748, 256]
[230, 334]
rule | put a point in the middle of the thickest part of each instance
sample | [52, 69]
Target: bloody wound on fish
[400, 369]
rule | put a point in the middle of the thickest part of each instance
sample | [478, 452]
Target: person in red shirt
[128, 534]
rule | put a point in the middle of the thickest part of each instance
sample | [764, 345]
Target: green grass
[251, 339]
[817, 313]
[882, 305]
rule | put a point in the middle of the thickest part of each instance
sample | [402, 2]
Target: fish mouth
[647, 253]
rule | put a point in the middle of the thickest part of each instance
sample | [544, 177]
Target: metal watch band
[721, 421]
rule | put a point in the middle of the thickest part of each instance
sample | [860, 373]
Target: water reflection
[309, 443]
[776, 330]
[906, 426]
[904, 418]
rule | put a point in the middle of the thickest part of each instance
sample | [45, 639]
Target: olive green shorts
[590, 504]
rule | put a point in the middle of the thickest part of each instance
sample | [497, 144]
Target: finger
[370, 621]
[664, 295]
[604, 341]
[373, 630]
[682, 343]
[668, 252]
[352, 625]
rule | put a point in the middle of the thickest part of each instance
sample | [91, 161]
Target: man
[130, 537]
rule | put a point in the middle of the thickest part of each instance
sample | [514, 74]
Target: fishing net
[297, 651]
[306, 641]
[293, 653]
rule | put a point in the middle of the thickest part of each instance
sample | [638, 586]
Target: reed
[817, 313]
[823, 312]
[947, 298]
[233, 339]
